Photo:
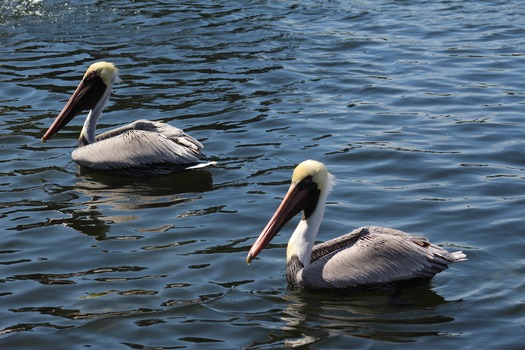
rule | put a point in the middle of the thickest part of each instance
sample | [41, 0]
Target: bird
[140, 148]
[367, 257]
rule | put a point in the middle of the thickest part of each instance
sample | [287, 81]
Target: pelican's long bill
[85, 97]
[301, 195]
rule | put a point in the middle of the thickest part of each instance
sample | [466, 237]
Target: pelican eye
[90, 76]
[310, 202]
[307, 181]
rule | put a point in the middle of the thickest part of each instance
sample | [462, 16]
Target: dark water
[415, 106]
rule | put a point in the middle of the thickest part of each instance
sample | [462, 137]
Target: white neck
[303, 238]
[90, 125]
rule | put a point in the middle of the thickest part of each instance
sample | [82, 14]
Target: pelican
[141, 148]
[366, 257]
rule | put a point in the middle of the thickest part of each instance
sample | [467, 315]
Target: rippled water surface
[416, 107]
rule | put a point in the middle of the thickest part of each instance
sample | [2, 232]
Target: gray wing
[139, 144]
[373, 256]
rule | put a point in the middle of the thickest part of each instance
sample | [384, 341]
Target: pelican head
[311, 182]
[91, 94]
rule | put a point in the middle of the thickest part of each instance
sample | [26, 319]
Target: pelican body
[367, 257]
[141, 148]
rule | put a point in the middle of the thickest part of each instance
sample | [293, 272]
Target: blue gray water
[416, 107]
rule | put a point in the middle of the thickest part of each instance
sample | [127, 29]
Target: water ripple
[415, 108]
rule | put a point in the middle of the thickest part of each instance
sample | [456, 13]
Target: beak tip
[249, 258]
[43, 140]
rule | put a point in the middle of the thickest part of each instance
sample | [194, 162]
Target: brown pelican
[366, 257]
[141, 148]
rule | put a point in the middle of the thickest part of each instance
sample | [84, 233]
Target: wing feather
[139, 144]
[372, 256]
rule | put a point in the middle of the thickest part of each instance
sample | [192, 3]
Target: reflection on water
[400, 316]
[66, 278]
[307, 317]
[103, 192]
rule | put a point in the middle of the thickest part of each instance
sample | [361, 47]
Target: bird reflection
[126, 197]
[99, 184]
[394, 316]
